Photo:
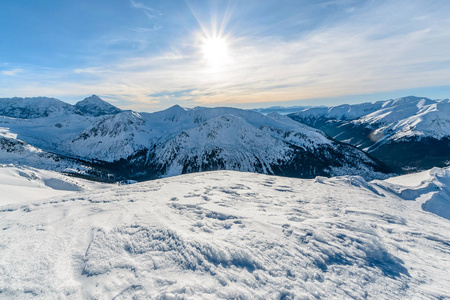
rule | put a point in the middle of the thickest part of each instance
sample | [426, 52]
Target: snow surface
[429, 189]
[19, 184]
[227, 234]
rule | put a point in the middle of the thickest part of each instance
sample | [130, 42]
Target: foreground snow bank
[225, 235]
[22, 183]
[429, 189]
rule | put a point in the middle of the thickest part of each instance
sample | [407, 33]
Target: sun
[215, 51]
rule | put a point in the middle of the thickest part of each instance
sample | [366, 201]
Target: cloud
[379, 47]
[150, 12]
[12, 72]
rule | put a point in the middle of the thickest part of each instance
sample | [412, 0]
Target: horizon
[75, 101]
[150, 55]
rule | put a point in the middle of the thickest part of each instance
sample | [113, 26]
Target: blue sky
[148, 55]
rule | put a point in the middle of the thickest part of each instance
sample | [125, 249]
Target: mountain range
[104, 141]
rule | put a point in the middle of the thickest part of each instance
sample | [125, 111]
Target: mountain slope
[22, 184]
[17, 152]
[225, 235]
[406, 133]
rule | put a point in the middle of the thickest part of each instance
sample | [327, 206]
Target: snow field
[225, 234]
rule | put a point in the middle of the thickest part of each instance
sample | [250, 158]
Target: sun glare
[215, 51]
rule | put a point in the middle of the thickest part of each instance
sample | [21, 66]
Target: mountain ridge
[41, 107]
[386, 129]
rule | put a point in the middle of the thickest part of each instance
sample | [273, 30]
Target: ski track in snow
[226, 234]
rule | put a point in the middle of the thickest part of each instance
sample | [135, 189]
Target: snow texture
[229, 235]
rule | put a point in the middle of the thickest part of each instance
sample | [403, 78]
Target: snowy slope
[21, 184]
[177, 141]
[429, 189]
[409, 132]
[17, 152]
[40, 107]
[225, 234]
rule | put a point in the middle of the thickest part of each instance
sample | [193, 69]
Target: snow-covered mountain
[40, 107]
[31, 108]
[177, 141]
[226, 235]
[409, 132]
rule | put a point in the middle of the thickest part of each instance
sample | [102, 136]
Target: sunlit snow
[226, 234]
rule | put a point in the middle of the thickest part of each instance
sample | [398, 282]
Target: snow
[429, 189]
[19, 184]
[227, 234]
[413, 179]
[283, 110]
[16, 152]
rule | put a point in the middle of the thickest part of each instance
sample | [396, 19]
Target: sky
[148, 55]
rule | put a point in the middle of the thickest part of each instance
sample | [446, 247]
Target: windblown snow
[227, 234]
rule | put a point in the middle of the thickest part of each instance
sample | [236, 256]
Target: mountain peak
[172, 113]
[95, 106]
[176, 108]
[93, 99]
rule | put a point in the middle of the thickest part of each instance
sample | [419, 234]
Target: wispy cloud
[12, 72]
[150, 12]
[379, 47]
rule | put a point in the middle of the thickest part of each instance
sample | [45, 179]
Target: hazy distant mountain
[177, 141]
[94, 106]
[410, 132]
[40, 107]
[31, 108]
[282, 110]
